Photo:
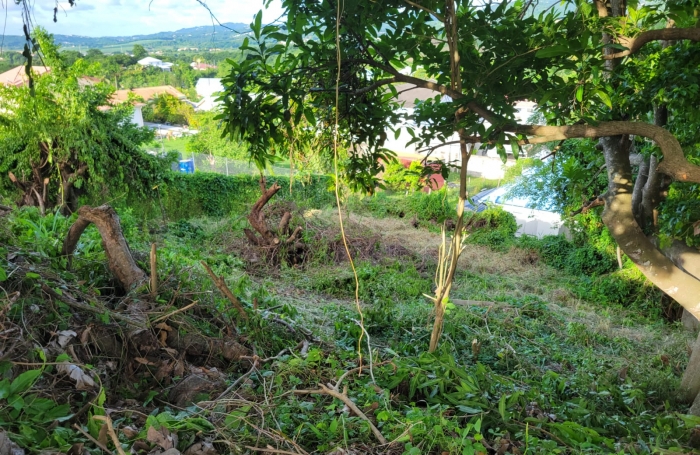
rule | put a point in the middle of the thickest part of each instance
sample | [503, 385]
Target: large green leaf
[553, 51]
[24, 381]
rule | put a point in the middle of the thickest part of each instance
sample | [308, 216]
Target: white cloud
[135, 17]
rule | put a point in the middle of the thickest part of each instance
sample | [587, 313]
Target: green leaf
[604, 98]
[4, 388]
[32, 275]
[553, 51]
[16, 401]
[3, 274]
[579, 93]
[257, 25]
[309, 114]
[502, 152]
[24, 381]
[502, 407]
[514, 147]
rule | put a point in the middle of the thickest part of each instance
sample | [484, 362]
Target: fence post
[194, 168]
[226, 161]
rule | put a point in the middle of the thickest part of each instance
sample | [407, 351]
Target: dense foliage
[398, 177]
[188, 195]
[61, 137]
[210, 140]
[166, 108]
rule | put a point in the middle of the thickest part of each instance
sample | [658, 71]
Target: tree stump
[119, 259]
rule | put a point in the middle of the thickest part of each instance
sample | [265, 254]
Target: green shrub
[494, 227]
[572, 258]
[190, 195]
[435, 206]
[399, 178]
[627, 287]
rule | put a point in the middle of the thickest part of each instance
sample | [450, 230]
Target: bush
[399, 178]
[575, 259]
[189, 195]
[627, 288]
[436, 206]
[494, 227]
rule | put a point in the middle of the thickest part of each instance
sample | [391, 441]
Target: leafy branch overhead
[479, 60]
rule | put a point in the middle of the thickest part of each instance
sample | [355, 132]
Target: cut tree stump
[267, 237]
[119, 259]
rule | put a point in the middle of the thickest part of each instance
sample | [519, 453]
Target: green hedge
[189, 195]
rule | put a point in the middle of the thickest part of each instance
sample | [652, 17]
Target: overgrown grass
[532, 359]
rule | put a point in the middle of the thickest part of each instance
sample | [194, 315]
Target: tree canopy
[597, 70]
[65, 136]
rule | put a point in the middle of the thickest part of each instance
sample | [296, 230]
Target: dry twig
[348, 402]
[221, 284]
[110, 429]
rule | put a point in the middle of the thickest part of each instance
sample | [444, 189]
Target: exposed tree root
[119, 259]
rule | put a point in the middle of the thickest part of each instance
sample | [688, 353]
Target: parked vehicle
[531, 219]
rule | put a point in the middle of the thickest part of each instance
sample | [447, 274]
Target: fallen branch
[221, 284]
[348, 402]
[154, 271]
[110, 429]
[98, 309]
[179, 310]
[271, 450]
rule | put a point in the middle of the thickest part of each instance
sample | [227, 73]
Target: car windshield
[517, 202]
[504, 196]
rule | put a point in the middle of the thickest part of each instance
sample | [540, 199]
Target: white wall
[137, 116]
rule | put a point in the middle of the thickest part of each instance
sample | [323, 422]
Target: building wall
[137, 116]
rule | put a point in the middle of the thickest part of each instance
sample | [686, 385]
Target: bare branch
[427, 10]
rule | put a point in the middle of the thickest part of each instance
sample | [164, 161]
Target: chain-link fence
[226, 166]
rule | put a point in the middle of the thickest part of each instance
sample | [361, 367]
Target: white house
[208, 88]
[150, 61]
[485, 163]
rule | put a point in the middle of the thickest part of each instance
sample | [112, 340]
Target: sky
[130, 17]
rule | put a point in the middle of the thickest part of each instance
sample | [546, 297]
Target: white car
[531, 221]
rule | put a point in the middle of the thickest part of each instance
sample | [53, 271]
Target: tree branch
[674, 163]
[427, 10]
[662, 34]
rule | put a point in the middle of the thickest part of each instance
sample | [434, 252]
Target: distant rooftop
[147, 93]
[17, 77]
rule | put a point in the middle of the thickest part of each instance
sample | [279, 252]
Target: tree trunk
[444, 283]
[618, 217]
[271, 239]
[119, 259]
[658, 268]
[687, 259]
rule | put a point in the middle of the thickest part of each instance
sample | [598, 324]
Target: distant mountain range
[203, 37]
